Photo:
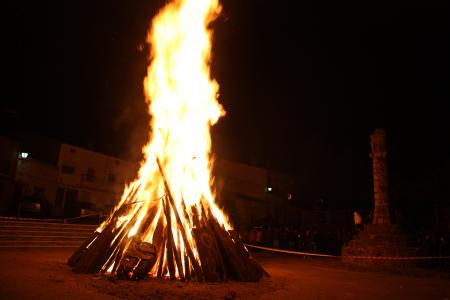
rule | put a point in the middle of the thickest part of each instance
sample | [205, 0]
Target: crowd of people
[434, 242]
[331, 241]
[327, 241]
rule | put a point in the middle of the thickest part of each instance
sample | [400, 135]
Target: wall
[242, 192]
[90, 177]
[8, 157]
[36, 178]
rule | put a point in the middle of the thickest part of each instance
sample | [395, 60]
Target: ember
[167, 223]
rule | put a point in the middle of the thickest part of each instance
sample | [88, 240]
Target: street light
[23, 155]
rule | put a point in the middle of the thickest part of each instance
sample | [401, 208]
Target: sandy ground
[43, 274]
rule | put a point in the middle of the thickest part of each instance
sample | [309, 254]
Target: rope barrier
[81, 217]
[29, 219]
[350, 256]
[290, 252]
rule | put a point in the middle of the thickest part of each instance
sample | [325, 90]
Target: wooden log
[148, 220]
[91, 261]
[209, 254]
[205, 217]
[120, 239]
[195, 217]
[187, 270]
[175, 252]
[170, 243]
[161, 257]
[239, 259]
[177, 255]
[197, 269]
[239, 266]
[158, 232]
[82, 249]
[221, 267]
[231, 260]
[117, 259]
[185, 211]
[246, 253]
[92, 254]
[101, 248]
[92, 243]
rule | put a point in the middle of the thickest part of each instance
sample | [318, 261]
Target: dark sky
[304, 85]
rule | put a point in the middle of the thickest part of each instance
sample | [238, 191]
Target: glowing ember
[182, 101]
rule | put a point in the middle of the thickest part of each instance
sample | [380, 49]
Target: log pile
[209, 252]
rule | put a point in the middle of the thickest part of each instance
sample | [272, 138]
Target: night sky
[304, 85]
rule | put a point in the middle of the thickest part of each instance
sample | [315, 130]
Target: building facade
[252, 195]
[89, 180]
[70, 180]
[9, 151]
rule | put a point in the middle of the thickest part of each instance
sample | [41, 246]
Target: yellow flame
[182, 100]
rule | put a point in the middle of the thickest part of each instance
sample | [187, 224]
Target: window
[111, 178]
[90, 175]
[67, 169]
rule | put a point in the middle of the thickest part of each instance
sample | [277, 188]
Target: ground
[43, 274]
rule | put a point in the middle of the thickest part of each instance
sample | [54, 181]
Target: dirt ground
[43, 274]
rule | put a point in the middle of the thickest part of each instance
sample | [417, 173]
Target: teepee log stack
[219, 254]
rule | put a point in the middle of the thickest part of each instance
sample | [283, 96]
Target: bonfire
[166, 224]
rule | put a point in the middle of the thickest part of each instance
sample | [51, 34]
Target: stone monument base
[380, 241]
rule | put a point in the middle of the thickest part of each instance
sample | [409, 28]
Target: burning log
[187, 270]
[169, 244]
[245, 253]
[137, 260]
[197, 269]
[91, 255]
[210, 256]
[238, 263]
[76, 256]
[161, 257]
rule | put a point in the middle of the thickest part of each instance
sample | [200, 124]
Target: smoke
[132, 129]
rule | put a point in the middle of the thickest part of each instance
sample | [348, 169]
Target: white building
[88, 177]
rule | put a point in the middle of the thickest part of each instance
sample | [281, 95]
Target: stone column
[380, 177]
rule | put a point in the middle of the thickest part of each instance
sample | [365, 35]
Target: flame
[182, 101]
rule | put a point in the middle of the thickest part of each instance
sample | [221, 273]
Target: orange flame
[183, 104]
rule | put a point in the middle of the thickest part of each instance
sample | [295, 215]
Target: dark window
[111, 178]
[90, 175]
[71, 208]
[67, 169]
